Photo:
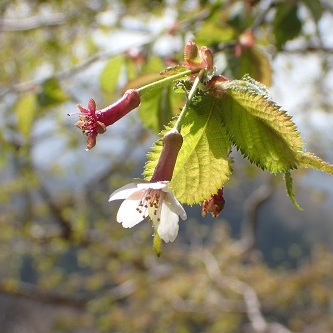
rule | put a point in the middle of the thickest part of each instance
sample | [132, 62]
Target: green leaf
[202, 165]
[52, 93]
[286, 24]
[160, 108]
[108, 79]
[253, 62]
[315, 7]
[258, 127]
[25, 109]
[156, 111]
[211, 33]
[308, 160]
[290, 189]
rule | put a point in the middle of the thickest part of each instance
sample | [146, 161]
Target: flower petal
[154, 186]
[168, 226]
[124, 192]
[128, 215]
[176, 206]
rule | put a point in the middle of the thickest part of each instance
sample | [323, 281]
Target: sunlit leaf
[315, 7]
[25, 110]
[109, 76]
[160, 108]
[286, 24]
[290, 189]
[202, 165]
[258, 127]
[252, 61]
[52, 93]
[308, 160]
[210, 33]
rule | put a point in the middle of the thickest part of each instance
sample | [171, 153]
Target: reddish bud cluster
[245, 40]
[214, 205]
[198, 58]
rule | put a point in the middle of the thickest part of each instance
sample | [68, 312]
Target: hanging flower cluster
[190, 162]
[154, 199]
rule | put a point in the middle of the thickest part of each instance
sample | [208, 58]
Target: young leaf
[290, 189]
[252, 61]
[257, 126]
[315, 7]
[25, 110]
[52, 93]
[308, 160]
[159, 109]
[109, 76]
[286, 24]
[202, 165]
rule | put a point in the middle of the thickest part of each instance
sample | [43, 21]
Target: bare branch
[250, 216]
[29, 291]
[32, 292]
[262, 17]
[56, 211]
[309, 49]
[251, 300]
[30, 23]
[67, 73]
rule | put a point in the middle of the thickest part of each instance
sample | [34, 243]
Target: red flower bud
[172, 142]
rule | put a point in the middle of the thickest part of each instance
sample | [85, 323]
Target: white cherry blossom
[153, 200]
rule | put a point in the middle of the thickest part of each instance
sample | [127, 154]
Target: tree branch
[29, 291]
[69, 72]
[251, 300]
[32, 292]
[252, 206]
[30, 23]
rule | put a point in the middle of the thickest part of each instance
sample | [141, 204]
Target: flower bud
[207, 57]
[111, 114]
[172, 142]
[191, 51]
[214, 205]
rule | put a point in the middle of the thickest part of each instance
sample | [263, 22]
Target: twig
[67, 73]
[262, 17]
[250, 216]
[29, 291]
[65, 225]
[251, 300]
[30, 23]
[32, 292]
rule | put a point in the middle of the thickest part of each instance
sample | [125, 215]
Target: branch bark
[30, 23]
[250, 216]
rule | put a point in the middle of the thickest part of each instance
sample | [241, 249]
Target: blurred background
[66, 265]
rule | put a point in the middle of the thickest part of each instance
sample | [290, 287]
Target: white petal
[128, 215]
[123, 192]
[168, 226]
[176, 206]
[154, 186]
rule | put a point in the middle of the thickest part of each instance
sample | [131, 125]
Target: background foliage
[261, 266]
